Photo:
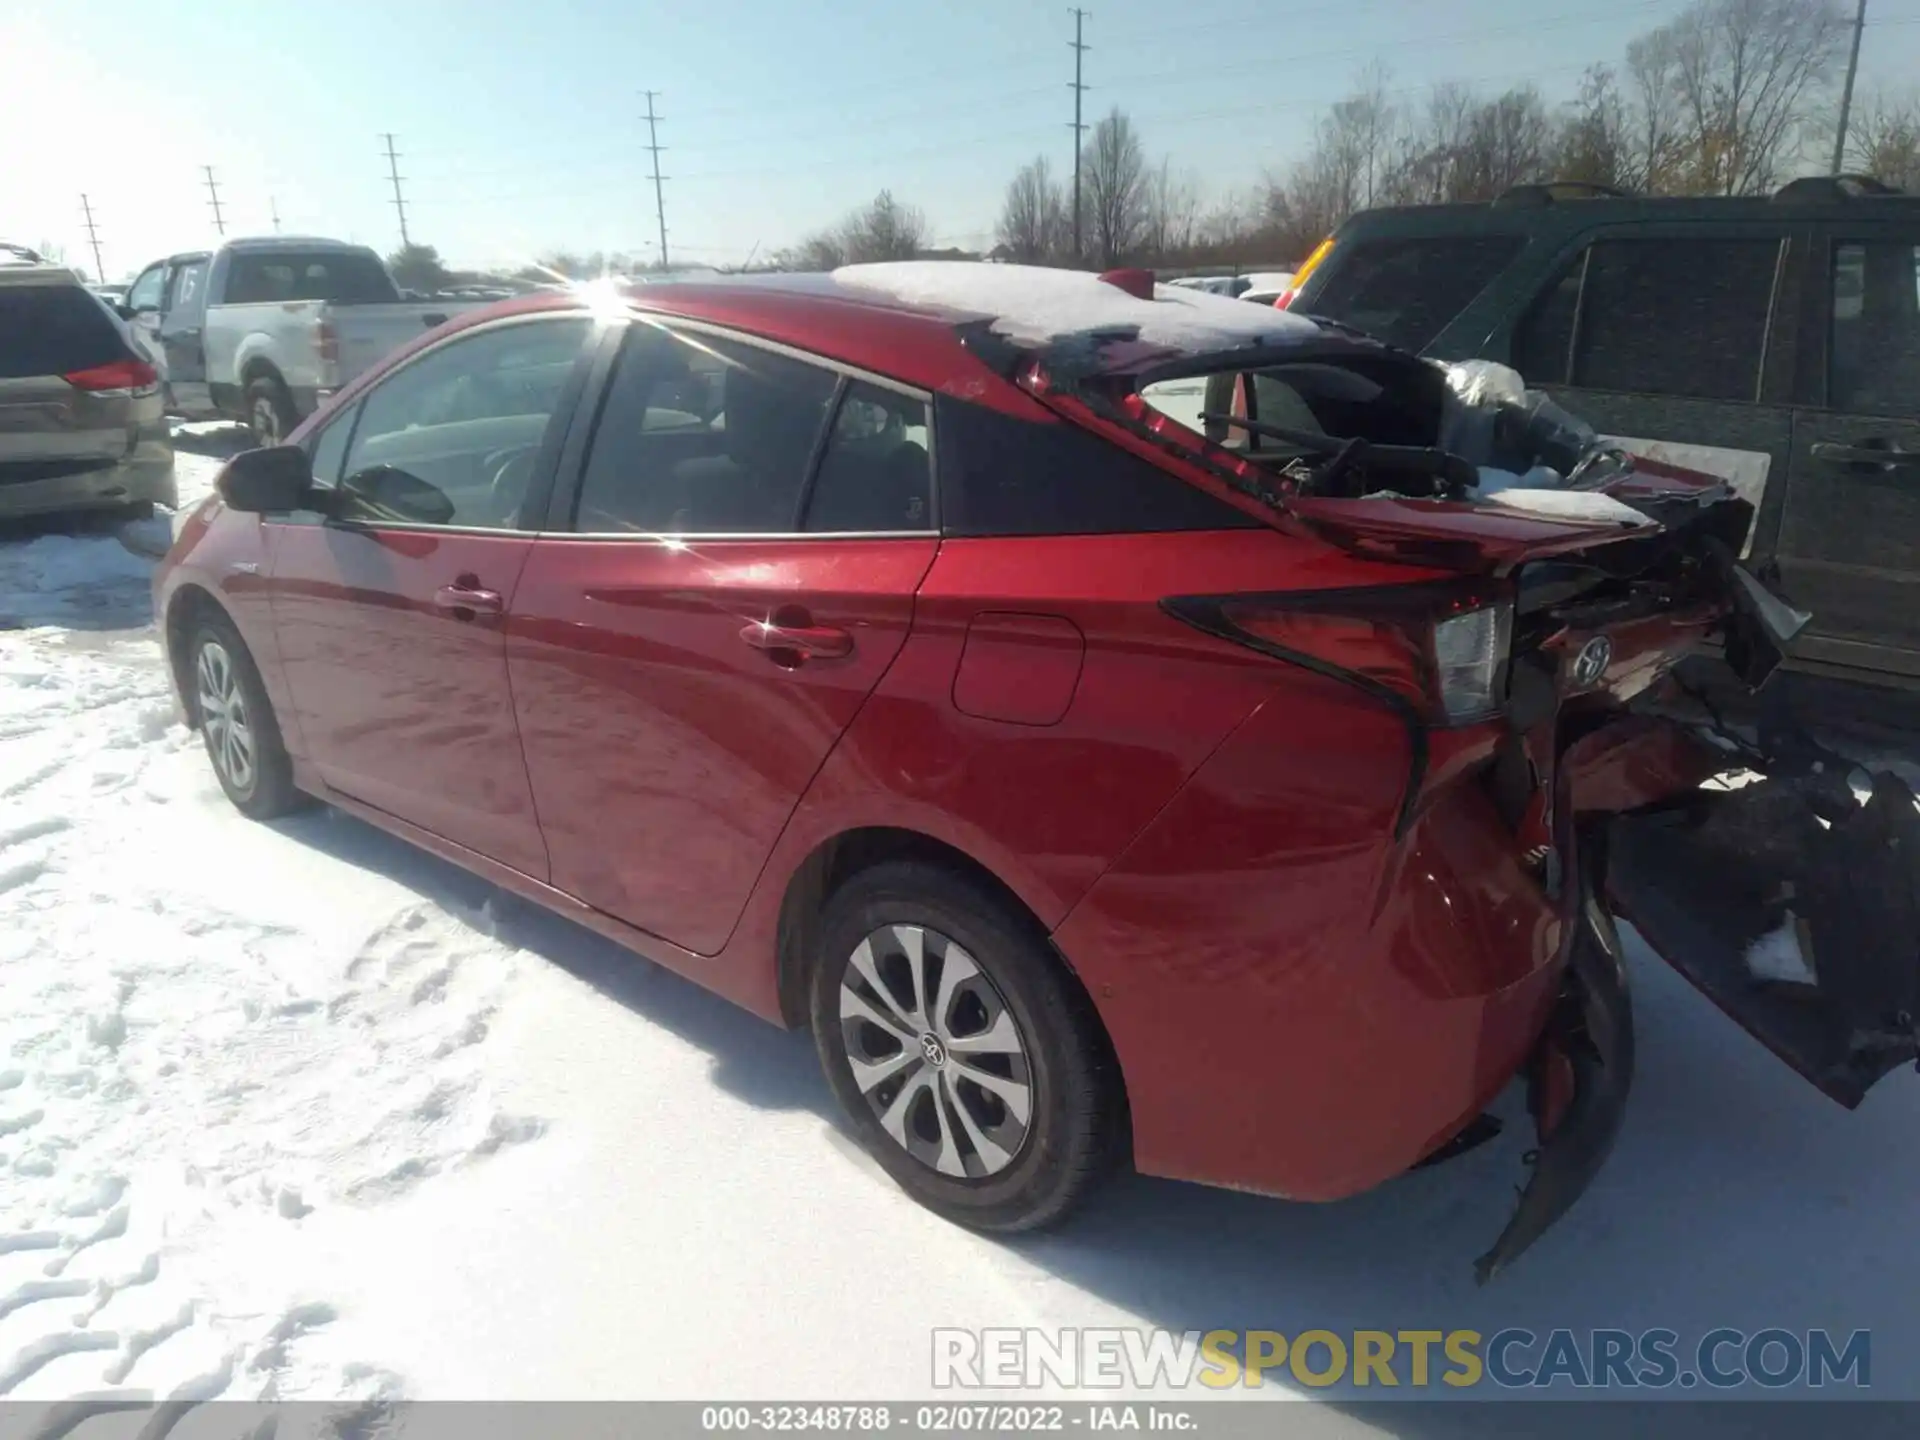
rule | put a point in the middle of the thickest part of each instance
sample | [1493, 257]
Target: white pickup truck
[265, 330]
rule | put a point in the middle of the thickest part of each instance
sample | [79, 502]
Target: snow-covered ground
[297, 1111]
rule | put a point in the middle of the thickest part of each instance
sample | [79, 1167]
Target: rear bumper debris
[1577, 1082]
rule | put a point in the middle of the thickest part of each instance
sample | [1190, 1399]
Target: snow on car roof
[1031, 304]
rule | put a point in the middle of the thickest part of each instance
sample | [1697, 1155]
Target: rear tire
[270, 413]
[237, 723]
[998, 1109]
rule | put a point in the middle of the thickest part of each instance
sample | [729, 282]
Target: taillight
[117, 379]
[1307, 267]
[325, 341]
[1439, 649]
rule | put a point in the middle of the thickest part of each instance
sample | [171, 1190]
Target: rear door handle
[469, 598]
[1832, 452]
[818, 642]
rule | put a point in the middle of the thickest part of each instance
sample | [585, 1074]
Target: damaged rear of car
[1553, 584]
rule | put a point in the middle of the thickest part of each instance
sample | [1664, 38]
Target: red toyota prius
[1110, 716]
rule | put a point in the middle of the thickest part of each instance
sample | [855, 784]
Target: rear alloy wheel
[968, 1061]
[238, 726]
[941, 1062]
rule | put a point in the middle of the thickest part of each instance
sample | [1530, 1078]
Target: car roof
[1530, 209]
[907, 319]
[43, 273]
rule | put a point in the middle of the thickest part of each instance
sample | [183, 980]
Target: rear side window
[1671, 316]
[54, 330]
[1407, 291]
[702, 436]
[341, 277]
[876, 472]
[1000, 475]
[1874, 361]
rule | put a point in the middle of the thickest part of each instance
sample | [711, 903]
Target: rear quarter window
[1407, 291]
[340, 277]
[1000, 475]
[55, 330]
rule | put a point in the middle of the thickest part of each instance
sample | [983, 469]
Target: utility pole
[659, 201]
[399, 200]
[93, 239]
[273, 208]
[213, 194]
[1078, 127]
[1846, 95]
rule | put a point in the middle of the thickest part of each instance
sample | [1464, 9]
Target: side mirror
[125, 311]
[386, 492]
[268, 482]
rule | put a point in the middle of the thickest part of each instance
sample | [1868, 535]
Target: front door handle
[1877, 457]
[467, 601]
[817, 642]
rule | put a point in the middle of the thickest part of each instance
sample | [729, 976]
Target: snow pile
[1031, 304]
[1582, 505]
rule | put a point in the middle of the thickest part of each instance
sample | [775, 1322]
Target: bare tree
[1114, 182]
[1883, 139]
[1594, 140]
[1747, 77]
[1033, 218]
[1355, 153]
[1172, 220]
[885, 230]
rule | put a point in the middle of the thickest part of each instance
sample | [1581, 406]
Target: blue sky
[520, 126]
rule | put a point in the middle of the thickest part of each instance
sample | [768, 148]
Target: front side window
[1874, 360]
[454, 437]
[1682, 316]
[702, 436]
[145, 292]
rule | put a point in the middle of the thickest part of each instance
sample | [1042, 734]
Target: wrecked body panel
[1795, 909]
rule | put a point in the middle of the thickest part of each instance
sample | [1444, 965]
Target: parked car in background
[1774, 341]
[114, 295]
[1266, 287]
[82, 426]
[264, 330]
[1212, 284]
[1101, 791]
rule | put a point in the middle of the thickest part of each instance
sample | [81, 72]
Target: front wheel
[969, 1062]
[270, 412]
[238, 725]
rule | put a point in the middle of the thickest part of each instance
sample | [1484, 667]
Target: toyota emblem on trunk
[1592, 661]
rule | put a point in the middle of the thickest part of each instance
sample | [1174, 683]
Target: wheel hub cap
[223, 716]
[935, 1051]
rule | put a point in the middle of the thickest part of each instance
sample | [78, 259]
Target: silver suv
[82, 425]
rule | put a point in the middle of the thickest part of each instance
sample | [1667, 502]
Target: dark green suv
[1775, 342]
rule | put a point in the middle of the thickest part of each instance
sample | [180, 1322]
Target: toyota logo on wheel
[1592, 661]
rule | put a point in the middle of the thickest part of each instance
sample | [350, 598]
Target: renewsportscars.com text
[1721, 1359]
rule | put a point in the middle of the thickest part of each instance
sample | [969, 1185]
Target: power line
[93, 239]
[1846, 95]
[1079, 50]
[399, 200]
[213, 195]
[659, 200]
